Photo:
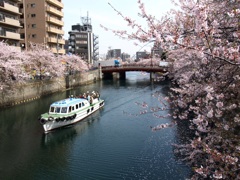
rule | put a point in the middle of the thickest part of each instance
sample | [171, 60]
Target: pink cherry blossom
[201, 39]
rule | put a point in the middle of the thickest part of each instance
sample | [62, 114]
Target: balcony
[12, 35]
[55, 11]
[10, 8]
[10, 22]
[55, 3]
[9, 35]
[60, 51]
[55, 30]
[55, 40]
[55, 21]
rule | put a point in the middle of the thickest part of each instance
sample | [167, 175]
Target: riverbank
[35, 89]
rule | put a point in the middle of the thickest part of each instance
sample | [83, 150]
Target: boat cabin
[69, 105]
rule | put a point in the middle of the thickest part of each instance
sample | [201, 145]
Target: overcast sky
[101, 13]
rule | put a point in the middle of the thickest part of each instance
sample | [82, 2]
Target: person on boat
[97, 95]
[94, 95]
[88, 98]
[91, 100]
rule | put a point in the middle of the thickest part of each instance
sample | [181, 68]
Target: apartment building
[9, 22]
[42, 22]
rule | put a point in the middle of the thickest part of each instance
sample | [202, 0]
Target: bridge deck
[124, 68]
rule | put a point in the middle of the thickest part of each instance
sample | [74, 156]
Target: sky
[101, 12]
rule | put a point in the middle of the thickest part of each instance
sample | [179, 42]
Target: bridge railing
[127, 67]
[134, 65]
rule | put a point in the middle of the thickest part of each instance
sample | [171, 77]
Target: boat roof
[68, 102]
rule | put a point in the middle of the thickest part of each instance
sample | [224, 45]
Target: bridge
[109, 70]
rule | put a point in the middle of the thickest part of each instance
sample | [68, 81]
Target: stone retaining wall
[34, 89]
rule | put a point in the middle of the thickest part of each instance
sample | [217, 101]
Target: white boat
[69, 111]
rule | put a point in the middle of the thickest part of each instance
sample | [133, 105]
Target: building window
[22, 24]
[81, 42]
[34, 35]
[22, 36]
[33, 15]
[33, 25]
[1, 17]
[33, 5]
[81, 35]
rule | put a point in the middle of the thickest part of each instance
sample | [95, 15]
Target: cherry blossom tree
[74, 63]
[12, 64]
[44, 61]
[202, 41]
[149, 62]
[16, 67]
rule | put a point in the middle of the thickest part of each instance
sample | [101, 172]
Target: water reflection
[69, 133]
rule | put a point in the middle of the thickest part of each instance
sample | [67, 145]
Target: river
[115, 142]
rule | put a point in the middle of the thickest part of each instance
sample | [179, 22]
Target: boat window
[52, 109]
[76, 106]
[72, 108]
[69, 109]
[80, 104]
[64, 110]
[57, 110]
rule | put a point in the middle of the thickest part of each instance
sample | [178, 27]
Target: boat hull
[53, 124]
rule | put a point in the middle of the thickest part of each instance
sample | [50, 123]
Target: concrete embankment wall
[34, 89]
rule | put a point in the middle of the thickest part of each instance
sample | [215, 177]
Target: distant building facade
[142, 55]
[114, 53]
[9, 22]
[83, 42]
[42, 22]
[125, 56]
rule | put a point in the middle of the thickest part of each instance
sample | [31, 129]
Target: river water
[115, 142]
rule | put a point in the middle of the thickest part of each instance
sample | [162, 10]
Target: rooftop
[68, 102]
